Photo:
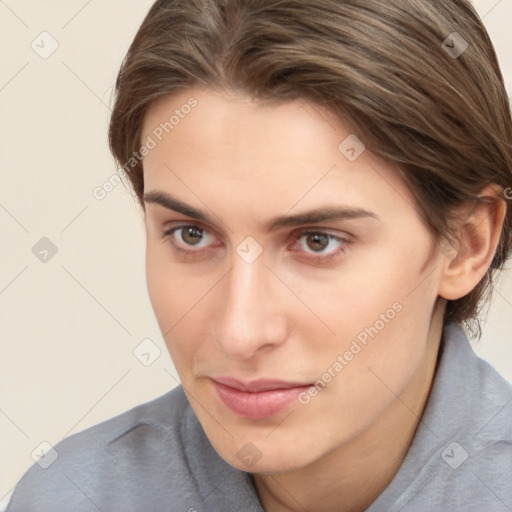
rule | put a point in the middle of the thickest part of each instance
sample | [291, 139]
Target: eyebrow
[321, 214]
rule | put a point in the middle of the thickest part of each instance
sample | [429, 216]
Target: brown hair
[392, 69]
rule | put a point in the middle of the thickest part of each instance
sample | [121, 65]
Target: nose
[249, 318]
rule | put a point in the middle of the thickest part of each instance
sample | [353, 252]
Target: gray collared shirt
[156, 456]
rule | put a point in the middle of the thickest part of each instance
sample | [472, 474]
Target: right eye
[186, 235]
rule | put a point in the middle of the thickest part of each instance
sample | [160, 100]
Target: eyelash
[167, 236]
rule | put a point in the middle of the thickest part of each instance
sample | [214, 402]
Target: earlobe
[478, 240]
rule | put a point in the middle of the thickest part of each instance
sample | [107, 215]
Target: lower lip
[262, 404]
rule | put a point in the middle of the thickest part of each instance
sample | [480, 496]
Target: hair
[442, 119]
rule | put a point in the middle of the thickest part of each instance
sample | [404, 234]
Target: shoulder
[134, 449]
[471, 392]
[470, 435]
[489, 438]
[488, 398]
[481, 406]
[461, 456]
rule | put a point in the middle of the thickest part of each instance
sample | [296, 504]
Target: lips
[257, 399]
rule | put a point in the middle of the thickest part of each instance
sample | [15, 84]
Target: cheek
[170, 288]
[358, 297]
[387, 275]
[178, 299]
[167, 291]
[380, 317]
[160, 285]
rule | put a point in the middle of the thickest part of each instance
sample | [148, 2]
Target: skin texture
[285, 316]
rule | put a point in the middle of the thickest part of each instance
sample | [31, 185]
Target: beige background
[69, 326]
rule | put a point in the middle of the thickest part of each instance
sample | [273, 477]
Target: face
[287, 331]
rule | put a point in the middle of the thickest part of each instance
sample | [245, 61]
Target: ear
[464, 267]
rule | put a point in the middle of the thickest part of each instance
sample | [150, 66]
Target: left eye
[319, 240]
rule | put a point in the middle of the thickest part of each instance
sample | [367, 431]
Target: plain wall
[69, 326]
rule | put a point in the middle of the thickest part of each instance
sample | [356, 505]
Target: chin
[269, 465]
[261, 455]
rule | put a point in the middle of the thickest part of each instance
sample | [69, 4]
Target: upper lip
[258, 385]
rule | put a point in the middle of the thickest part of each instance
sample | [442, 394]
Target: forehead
[281, 153]
[242, 126]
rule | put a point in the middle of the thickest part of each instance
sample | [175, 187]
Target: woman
[324, 186]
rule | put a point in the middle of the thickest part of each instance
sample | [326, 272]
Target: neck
[354, 475]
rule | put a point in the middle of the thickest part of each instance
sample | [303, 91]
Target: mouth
[257, 399]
